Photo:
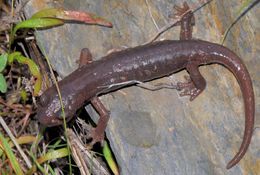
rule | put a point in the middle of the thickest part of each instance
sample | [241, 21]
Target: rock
[159, 132]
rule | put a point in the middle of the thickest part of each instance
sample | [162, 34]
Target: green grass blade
[54, 154]
[12, 159]
[51, 155]
[109, 158]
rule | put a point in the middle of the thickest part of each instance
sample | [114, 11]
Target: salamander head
[49, 109]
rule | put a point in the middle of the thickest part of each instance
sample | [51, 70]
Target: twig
[237, 19]
[166, 27]
[140, 84]
[83, 157]
[149, 9]
[174, 22]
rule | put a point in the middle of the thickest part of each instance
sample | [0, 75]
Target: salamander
[142, 64]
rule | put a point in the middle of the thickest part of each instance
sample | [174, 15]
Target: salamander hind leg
[186, 22]
[195, 84]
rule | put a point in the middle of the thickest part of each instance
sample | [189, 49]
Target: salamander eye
[43, 100]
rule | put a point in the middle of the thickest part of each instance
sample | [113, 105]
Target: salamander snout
[48, 111]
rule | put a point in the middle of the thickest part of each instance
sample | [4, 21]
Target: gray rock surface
[160, 132]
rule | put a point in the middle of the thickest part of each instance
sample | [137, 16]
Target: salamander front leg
[85, 57]
[97, 134]
[195, 83]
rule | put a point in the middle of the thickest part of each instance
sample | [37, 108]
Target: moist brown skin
[146, 63]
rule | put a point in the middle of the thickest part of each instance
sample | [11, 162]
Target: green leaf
[3, 60]
[3, 85]
[34, 69]
[38, 23]
[85, 17]
[49, 12]
[12, 56]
